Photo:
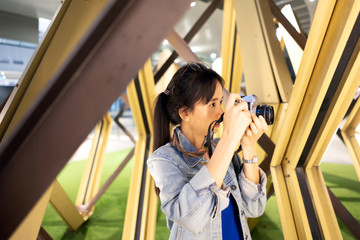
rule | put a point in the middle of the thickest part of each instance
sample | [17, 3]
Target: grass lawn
[108, 218]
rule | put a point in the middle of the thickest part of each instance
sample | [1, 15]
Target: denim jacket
[190, 198]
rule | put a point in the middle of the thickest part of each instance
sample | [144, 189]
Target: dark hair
[193, 82]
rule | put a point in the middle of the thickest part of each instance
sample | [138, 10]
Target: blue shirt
[230, 221]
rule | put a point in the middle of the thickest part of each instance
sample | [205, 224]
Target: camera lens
[267, 112]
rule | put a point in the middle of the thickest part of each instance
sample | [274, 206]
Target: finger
[254, 129]
[257, 121]
[248, 132]
[242, 106]
[231, 101]
[263, 123]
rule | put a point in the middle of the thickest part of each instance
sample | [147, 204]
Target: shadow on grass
[78, 234]
[336, 181]
[266, 229]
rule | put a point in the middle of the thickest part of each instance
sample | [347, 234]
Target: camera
[267, 111]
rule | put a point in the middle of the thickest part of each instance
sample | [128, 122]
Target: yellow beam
[327, 62]
[30, 226]
[353, 147]
[148, 222]
[61, 38]
[323, 205]
[310, 98]
[66, 35]
[275, 54]
[141, 101]
[65, 207]
[227, 41]
[152, 212]
[317, 32]
[283, 202]
[348, 132]
[341, 101]
[90, 182]
[135, 185]
[26, 78]
[237, 69]
[258, 70]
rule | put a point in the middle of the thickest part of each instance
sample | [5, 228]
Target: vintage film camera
[267, 111]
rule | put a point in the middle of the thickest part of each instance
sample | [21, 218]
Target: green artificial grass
[108, 218]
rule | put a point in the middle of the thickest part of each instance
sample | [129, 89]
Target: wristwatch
[254, 160]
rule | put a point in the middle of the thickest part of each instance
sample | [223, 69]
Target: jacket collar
[189, 147]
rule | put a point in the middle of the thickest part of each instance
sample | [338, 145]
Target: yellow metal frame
[64, 36]
[348, 132]
[312, 49]
[149, 201]
[321, 57]
[90, 181]
[275, 54]
[257, 67]
[60, 40]
[228, 35]
[65, 207]
[30, 226]
[351, 82]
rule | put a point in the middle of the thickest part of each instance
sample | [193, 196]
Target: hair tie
[166, 91]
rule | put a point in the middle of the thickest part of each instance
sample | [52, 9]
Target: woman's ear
[184, 113]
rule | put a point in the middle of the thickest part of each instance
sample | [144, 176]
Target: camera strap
[207, 146]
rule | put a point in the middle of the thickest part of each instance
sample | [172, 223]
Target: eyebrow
[215, 99]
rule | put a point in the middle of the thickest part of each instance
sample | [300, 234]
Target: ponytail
[161, 122]
[193, 82]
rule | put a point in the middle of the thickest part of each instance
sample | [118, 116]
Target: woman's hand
[256, 128]
[237, 118]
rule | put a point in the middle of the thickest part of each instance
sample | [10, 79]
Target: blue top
[231, 227]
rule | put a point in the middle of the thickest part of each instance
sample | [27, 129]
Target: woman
[201, 195]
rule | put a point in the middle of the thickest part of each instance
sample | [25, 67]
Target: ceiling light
[213, 55]
[193, 4]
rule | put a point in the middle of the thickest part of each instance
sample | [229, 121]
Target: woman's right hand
[237, 118]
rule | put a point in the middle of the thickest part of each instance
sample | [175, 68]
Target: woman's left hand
[256, 128]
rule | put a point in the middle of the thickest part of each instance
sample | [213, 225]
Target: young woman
[202, 196]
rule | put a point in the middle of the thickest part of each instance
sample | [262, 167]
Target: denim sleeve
[253, 195]
[191, 204]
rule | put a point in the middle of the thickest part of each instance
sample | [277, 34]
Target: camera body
[267, 111]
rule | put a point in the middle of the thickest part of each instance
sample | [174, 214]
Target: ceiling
[206, 41]
[31, 8]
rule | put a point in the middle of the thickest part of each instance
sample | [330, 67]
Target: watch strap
[253, 160]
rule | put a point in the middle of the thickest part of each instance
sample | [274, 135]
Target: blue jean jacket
[190, 198]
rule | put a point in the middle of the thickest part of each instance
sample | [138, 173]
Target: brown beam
[117, 119]
[268, 146]
[115, 47]
[299, 38]
[43, 235]
[344, 215]
[87, 207]
[195, 28]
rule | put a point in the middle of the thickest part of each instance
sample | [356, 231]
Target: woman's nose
[220, 112]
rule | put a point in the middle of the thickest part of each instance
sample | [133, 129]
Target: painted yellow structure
[348, 132]
[328, 77]
[140, 216]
